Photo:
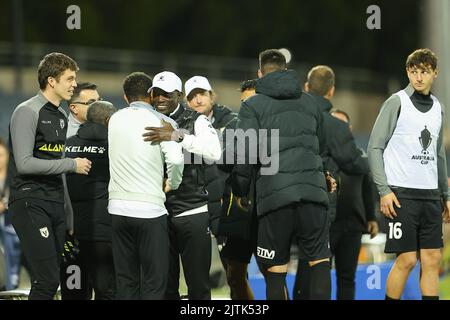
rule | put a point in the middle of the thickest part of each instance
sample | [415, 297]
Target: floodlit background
[221, 40]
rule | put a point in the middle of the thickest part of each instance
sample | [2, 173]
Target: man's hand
[71, 249]
[214, 227]
[158, 134]
[387, 205]
[446, 212]
[83, 165]
[372, 227]
[331, 182]
[166, 187]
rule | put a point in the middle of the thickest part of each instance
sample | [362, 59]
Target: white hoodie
[137, 167]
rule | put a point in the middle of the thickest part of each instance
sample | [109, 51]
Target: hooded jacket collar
[219, 112]
[280, 85]
[323, 104]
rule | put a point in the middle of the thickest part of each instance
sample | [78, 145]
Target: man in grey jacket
[37, 137]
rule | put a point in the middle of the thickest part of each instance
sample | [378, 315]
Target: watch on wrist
[180, 136]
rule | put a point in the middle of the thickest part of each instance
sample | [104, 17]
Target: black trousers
[190, 239]
[96, 272]
[41, 228]
[141, 257]
[345, 247]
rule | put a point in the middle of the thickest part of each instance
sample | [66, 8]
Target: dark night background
[221, 40]
[326, 31]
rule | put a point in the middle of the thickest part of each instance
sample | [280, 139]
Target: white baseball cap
[196, 82]
[167, 81]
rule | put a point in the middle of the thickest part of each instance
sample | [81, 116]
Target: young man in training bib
[407, 158]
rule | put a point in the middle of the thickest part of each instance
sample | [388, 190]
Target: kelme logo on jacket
[52, 147]
[85, 149]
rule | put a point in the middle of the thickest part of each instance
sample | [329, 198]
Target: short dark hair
[53, 65]
[345, 114]
[248, 85]
[136, 85]
[422, 57]
[100, 111]
[320, 80]
[80, 87]
[271, 60]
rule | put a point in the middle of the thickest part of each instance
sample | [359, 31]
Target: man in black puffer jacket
[340, 153]
[355, 215]
[222, 119]
[291, 188]
[89, 199]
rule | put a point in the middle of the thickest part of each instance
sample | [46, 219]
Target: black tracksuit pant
[41, 228]
[141, 257]
[190, 238]
[345, 247]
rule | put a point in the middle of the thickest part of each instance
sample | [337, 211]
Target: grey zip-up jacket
[37, 134]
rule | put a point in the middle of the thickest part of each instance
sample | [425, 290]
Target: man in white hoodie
[137, 194]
